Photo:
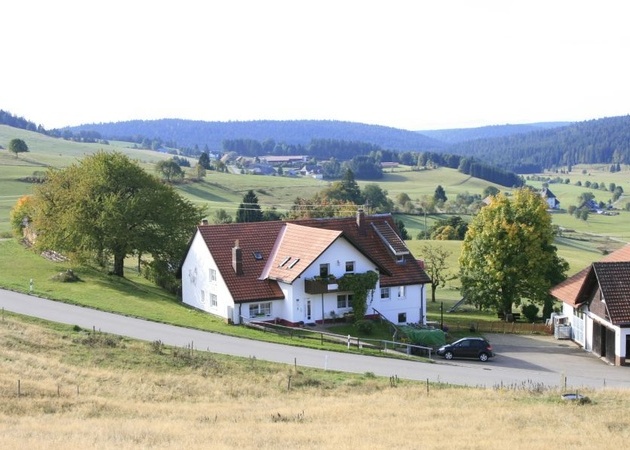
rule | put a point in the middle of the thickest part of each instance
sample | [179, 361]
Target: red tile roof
[298, 246]
[568, 291]
[613, 279]
[301, 240]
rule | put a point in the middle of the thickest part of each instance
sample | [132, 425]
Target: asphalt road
[520, 361]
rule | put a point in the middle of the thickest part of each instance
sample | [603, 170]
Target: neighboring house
[290, 159]
[270, 270]
[592, 205]
[596, 303]
[312, 170]
[551, 199]
[261, 169]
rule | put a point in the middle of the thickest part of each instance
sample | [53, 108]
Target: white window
[385, 292]
[324, 270]
[401, 291]
[349, 266]
[344, 301]
[213, 275]
[202, 294]
[260, 309]
[213, 300]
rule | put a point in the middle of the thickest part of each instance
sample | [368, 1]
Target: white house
[596, 304]
[550, 198]
[287, 271]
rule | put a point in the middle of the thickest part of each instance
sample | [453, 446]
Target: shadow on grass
[203, 194]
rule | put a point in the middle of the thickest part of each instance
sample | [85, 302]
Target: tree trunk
[433, 289]
[119, 265]
[506, 301]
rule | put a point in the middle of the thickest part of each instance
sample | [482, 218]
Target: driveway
[542, 354]
[520, 360]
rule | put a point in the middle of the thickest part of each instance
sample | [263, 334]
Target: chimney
[237, 259]
[361, 221]
[204, 221]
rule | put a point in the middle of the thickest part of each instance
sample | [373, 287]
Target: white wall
[196, 283]
[412, 302]
[197, 287]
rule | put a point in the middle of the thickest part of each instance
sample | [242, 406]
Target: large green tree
[107, 207]
[508, 253]
[345, 190]
[169, 170]
[17, 146]
[376, 198]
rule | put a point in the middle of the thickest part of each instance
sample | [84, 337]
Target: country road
[520, 361]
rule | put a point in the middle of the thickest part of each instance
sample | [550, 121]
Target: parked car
[468, 347]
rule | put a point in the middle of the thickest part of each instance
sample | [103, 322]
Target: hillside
[456, 135]
[189, 133]
[602, 141]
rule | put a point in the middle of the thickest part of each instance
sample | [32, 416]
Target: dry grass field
[65, 388]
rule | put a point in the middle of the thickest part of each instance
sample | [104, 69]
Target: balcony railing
[320, 285]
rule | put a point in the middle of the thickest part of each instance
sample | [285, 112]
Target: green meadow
[581, 242]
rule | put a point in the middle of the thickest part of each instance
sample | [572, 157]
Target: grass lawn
[78, 388]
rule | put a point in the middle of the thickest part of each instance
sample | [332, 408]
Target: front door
[308, 310]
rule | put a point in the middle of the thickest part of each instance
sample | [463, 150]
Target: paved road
[521, 361]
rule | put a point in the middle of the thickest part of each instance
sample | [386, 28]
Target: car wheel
[483, 357]
[448, 355]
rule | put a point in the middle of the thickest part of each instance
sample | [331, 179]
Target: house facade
[550, 198]
[596, 304]
[290, 271]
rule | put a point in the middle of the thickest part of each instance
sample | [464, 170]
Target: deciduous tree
[105, 206]
[508, 252]
[376, 198]
[169, 170]
[436, 266]
[17, 146]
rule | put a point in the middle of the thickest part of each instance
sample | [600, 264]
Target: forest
[522, 149]
[603, 141]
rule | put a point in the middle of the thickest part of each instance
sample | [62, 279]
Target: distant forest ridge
[601, 141]
[189, 133]
[528, 148]
[457, 135]
[516, 148]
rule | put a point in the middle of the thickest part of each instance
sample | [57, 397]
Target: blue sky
[406, 64]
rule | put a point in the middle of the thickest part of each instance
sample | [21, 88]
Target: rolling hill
[602, 141]
[189, 133]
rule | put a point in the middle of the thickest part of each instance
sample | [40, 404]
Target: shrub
[365, 326]
[531, 312]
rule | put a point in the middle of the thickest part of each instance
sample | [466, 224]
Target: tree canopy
[249, 209]
[17, 146]
[508, 253]
[169, 170]
[436, 266]
[107, 206]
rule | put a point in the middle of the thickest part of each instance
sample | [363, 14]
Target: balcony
[321, 285]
